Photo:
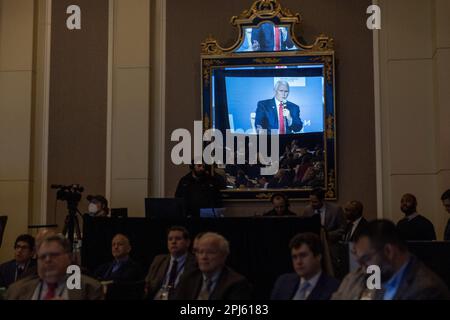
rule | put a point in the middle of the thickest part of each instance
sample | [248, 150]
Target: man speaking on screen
[278, 113]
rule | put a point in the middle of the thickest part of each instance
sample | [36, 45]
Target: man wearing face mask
[98, 206]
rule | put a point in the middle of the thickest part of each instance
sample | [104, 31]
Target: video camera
[71, 193]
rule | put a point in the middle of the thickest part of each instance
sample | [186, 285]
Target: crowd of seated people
[299, 168]
[38, 270]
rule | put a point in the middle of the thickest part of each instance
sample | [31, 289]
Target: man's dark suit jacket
[334, 220]
[265, 37]
[419, 283]
[8, 272]
[158, 269]
[357, 231]
[267, 116]
[129, 271]
[230, 286]
[287, 285]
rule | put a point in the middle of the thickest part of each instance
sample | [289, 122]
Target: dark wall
[78, 101]
[190, 22]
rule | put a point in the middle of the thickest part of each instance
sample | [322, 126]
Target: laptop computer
[164, 208]
[212, 212]
[119, 212]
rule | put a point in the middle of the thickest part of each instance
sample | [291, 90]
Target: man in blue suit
[278, 113]
[308, 282]
[268, 37]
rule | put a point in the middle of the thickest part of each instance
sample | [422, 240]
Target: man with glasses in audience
[23, 263]
[402, 275]
[213, 280]
[54, 258]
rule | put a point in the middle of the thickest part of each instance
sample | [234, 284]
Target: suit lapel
[274, 114]
[29, 288]
[163, 270]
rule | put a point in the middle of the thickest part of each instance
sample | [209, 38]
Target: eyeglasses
[207, 252]
[51, 255]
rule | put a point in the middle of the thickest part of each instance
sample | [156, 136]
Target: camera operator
[98, 206]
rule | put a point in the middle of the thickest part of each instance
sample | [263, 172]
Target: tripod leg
[77, 228]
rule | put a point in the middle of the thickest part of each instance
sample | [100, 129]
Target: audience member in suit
[166, 270]
[331, 216]
[278, 113]
[414, 227]
[280, 204]
[122, 269]
[23, 263]
[353, 211]
[402, 275]
[51, 282]
[213, 280]
[446, 202]
[308, 282]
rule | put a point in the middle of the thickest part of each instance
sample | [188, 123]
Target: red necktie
[51, 289]
[277, 39]
[281, 119]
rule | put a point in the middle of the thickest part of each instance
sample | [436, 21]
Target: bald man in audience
[308, 282]
[213, 280]
[54, 258]
[166, 270]
[414, 227]
[353, 211]
[122, 268]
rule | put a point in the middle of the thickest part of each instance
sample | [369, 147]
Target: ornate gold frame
[322, 50]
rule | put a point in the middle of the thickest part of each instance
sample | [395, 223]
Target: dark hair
[101, 199]
[62, 241]
[282, 195]
[25, 238]
[319, 193]
[312, 240]
[446, 195]
[181, 229]
[380, 233]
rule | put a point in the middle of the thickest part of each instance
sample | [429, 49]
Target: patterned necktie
[281, 118]
[51, 289]
[301, 292]
[204, 292]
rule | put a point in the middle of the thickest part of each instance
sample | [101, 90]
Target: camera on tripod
[72, 195]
